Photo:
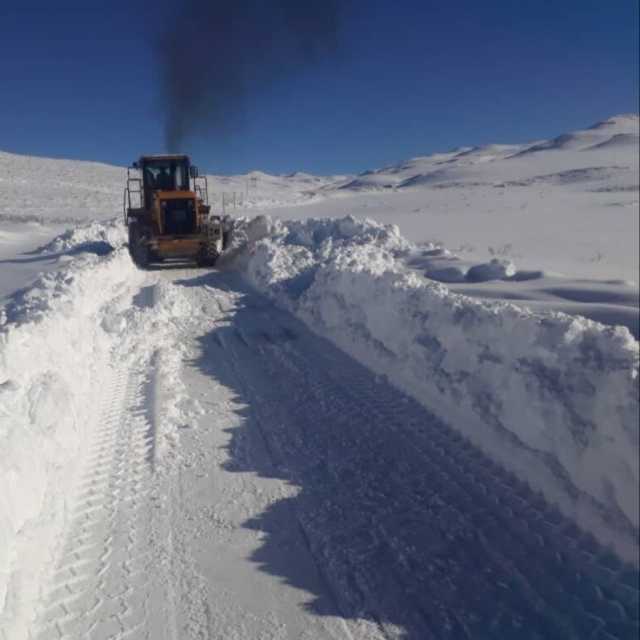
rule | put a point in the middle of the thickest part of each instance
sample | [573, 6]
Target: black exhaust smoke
[215, 55]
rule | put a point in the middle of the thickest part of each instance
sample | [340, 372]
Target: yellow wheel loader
[167, 212]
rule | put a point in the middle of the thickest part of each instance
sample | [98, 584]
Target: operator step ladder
[133, 194]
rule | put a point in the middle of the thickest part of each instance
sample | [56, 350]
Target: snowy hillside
[66, 191]
[57, 191]
[604, 153]
[350, 429]
[566, 205]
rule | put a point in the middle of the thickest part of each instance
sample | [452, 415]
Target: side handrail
[130, 190]
[126, 199]
[201, 187]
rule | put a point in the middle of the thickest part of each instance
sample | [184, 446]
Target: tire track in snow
[242, 344]
[241, 337]
[101, 588]
[574, 585]
[579, 584]
[411, 525]
[223, 499]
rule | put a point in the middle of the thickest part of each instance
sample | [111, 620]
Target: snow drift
[51, 355]
[59, 340]
[554, 398]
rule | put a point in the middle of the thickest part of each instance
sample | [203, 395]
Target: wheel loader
[167, 212]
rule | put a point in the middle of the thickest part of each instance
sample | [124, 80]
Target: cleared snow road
[306, 498]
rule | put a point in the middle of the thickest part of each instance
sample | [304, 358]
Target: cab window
[166, 175]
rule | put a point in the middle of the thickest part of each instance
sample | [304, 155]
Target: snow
[77, 439]
[570, 209]
[553, 397]
[19, 266]
[495, 285]
[45, 409]
[63, 191]
[568, 205]
[612, 302]
[58, 339]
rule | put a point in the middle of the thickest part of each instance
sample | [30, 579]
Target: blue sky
[80, 80]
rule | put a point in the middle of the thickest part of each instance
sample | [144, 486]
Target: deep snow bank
[552, 397]
[61, 341]
[95, 237]
[54, 346]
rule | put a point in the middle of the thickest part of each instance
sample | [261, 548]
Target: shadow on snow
[408, 525]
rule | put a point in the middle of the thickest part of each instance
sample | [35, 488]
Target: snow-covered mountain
[602, 158]
[65, 191]
[606, 152]
[567, 205]
[58, 191]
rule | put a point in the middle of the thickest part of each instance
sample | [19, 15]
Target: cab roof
[168, 156]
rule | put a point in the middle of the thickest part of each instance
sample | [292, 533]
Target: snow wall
[67, 343]
[53, 350]
[552, 397]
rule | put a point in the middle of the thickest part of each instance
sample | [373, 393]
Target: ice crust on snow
[552, 397]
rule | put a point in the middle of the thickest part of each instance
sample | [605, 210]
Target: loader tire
[207, 259]
[210, 252]
[138, 247]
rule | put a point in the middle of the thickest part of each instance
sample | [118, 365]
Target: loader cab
[170, 202]
[164, 173]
